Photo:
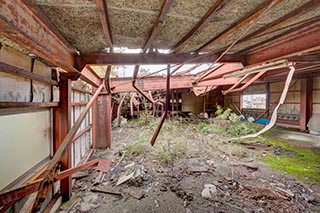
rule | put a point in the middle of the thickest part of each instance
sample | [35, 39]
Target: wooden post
[102, 126]
[62, 124]
[303, 104]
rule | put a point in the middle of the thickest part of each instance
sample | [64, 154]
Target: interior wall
[192, 103]
[25, 141]
[316, 96]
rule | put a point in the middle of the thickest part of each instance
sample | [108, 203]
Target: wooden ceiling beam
[157, 25]
[102, 7]
[242, 22]
[150, 58]
[23, 22]
[286, 46]
[218, 5]
[284, 19]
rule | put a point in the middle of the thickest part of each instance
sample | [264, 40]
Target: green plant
[137, 148]
[219, 110]
[169, 150]
[239, 129]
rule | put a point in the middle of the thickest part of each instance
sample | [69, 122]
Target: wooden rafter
[284, 19]
[244, 21]
[157, 25]
[105, 22]
[299, 42]
[218, 5]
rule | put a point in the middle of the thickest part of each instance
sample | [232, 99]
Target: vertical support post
[268, 100]
[108, 120]
[94, 121]
[168, 92]
[309, 97]
[102, 117]
[63, 117]
[303, 104]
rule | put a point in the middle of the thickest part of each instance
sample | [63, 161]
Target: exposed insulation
[79, 25]
[134, 26]
[172, 31]
[195, 8]
[144, 5]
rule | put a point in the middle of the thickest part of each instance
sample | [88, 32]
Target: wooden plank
[28, 104]
[25, 74]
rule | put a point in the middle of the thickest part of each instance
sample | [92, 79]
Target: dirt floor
[193, 167]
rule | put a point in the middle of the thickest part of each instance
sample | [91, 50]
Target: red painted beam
[287, 46]
[152, 83]
[157, 25]
[22, 22]
[102, 7]
[219, 82]
[90, 76]
[150, 58]
[222, 70]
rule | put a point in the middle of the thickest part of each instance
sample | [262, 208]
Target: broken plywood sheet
[14, 89]
[192, 103]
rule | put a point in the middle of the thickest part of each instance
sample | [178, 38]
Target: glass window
[254, 101]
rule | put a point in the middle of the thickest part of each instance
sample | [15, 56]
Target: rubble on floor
[189, 171]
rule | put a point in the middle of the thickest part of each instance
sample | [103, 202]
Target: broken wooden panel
[30, 146]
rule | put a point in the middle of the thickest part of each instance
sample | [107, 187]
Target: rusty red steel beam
[218, 5]
[284, 19]
[22, 22]
[151, 58]
[102, 7]
[90, 76]
[237, 25]
[46, 184]
[286, 46]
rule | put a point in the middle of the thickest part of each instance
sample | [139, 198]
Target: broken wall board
[20, 152]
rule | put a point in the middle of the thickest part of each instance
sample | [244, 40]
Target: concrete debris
[90, 201]
[157, 203]
[251, 166]
[67, 206]
[137, 194]
[209, 191]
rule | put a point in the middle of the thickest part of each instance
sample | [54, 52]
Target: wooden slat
[28, 104]
[25, 74]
